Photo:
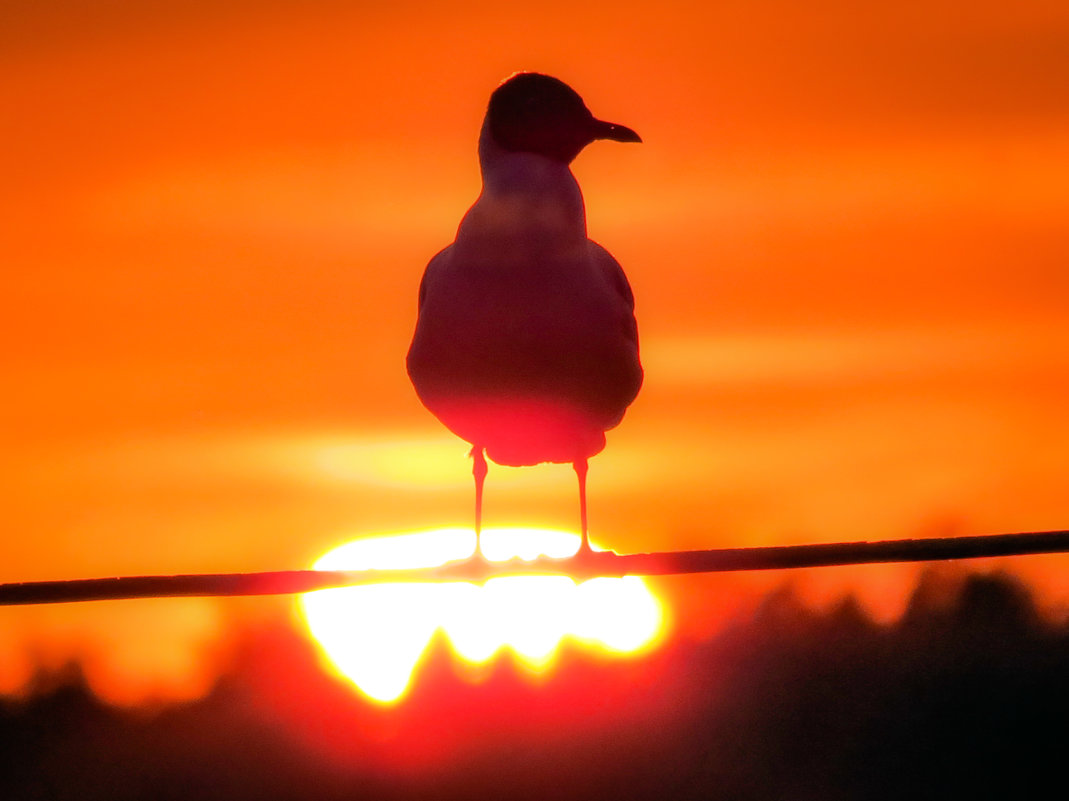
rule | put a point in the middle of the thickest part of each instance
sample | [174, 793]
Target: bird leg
[479, 471]
[580, 466]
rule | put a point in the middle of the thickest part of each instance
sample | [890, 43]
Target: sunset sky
[847, 231]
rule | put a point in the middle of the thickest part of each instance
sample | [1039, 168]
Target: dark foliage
[965, 697]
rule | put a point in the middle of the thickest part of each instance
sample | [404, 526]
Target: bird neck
[528, 189]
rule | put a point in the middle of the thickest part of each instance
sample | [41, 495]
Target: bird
[526, 343]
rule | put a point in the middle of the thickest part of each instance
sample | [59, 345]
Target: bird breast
[505, 313]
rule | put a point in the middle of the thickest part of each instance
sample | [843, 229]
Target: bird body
[526, 343]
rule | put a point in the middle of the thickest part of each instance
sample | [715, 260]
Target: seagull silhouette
[526, 344]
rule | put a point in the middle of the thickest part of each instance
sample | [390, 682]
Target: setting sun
[376, 635]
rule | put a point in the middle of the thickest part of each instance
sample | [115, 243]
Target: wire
[603, 563]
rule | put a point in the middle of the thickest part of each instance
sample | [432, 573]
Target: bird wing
[433, 266]
[614, 276]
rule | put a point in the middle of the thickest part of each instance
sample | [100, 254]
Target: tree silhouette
[964, 696]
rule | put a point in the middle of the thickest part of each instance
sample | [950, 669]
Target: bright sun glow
[375, 635]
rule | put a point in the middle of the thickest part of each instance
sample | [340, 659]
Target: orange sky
[847, 232]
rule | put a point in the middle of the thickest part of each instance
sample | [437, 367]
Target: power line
[605, 563]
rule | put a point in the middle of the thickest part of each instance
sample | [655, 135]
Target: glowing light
[375, 635]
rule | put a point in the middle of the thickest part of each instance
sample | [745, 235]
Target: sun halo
[375, 635]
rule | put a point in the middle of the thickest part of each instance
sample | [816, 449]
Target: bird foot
[585, 552]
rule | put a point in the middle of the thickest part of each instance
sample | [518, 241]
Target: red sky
[847, 232]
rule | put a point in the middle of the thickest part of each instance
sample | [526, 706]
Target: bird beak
[617, 133]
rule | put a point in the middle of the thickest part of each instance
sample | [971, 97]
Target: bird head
[534, 113]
